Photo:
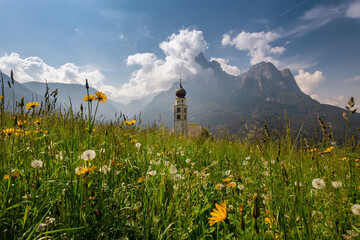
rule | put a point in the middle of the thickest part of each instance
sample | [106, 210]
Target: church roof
[180, 92]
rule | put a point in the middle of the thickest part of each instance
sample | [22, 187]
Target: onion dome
[180, 92]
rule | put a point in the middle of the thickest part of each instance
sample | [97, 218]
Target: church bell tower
[180, 112]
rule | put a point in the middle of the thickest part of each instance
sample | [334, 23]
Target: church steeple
[180, 111]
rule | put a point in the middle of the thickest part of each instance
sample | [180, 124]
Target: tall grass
[148, 184]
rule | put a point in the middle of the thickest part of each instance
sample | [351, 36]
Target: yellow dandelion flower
[357, 164]
[1, 98]
[218, 214]
[329, 149]
[89, 98]
[226, 179]
[356, 160]
[83, 170]
[313, 150]
[37, 121]
[20, 123]
[232, 184]
[9, 131]
[100, 96]
[91, 197]
[31, 105]
[140, 179]
[344, 158]
[6, 177]
[133, 140]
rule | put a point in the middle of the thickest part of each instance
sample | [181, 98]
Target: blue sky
[134, 48]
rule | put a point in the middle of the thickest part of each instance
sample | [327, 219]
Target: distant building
[181, 125]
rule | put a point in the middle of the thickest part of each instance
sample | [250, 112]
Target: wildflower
[356, 160]
[140, 179]
[219, 186]
[245, 163]
[318, 183]
[83, 170]
[329, 149]
[41, 227]
[132, 122]
[91, 197]
[20, 123]
[228, 172]
[152, 173]
[49, 220]
[88, 155]
[336, 184]
[272, 161]
[188, 160]
[247, 158]
[138, 145]
[9, 131]
[313, 150]
[37, 121]
[241, 187]
[355, 209]
[100, 96]
[226, 179]
[133, 140]
[104, 169]
[6, 177]
[344, 158]
[296, 183]
[89, 98]
[37, 164]
[173, 169]
[218, 214]
[31, 105]
[177, 177]
[1, 98]
[232, 184]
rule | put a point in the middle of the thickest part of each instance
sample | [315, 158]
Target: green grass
[122, 200]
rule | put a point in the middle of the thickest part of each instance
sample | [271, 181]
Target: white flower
[176, 186]
[272, 161]
[241, 187]
[266, 173]
[37, 164]
[247, 158]
[173, 169]
[59, 156]
[182, 153]
[336, 184]
[318, 183]
[49, 220]
[88, 155]
[138, 145]
[228, 172]
[104, 169]
[187, 160]
[178, 177]
[355, 209]
[245, 163]
[152, 173]
[166, 163]
[297, 183]
[41, 227]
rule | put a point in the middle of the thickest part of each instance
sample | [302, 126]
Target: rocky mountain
[261, 94]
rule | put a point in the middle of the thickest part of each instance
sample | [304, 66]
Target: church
[181, 126]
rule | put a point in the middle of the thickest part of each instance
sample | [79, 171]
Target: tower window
[184, 110]
[178, 109]
[182, 101]
[185, 116]
[178, 116]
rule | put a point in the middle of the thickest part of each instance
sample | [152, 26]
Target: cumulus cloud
[353, 10]
[257, 44]
[35, 69]
[336, 100]
[232, 70]
[155, 75]
[307, 81]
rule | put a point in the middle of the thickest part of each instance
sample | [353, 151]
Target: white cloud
[307, 81]
[232, 70]
[35, 69]
[155, 75]
[336, 101]
[353, 79]
[353, 10]
[257, 44]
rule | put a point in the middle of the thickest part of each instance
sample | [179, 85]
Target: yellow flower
[31, 105]
[313, 150]
[232, 184]
[6, 177]
[83, 170]
[37, 121]
[21, 123]
[226, 179]
[91, 197]
[89, 98]
[329, 149]
[1, 97]
[133, 140]
[356, 160]
[344, 158]
[218, 214]
[132, 122]
[140, 179]
[9, 131]
[100, 96]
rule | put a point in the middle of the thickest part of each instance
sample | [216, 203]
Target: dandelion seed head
[88, 155]
[336, 184]
[37, 164]
[355, 209]
[318, 183]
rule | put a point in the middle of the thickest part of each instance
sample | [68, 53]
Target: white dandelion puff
[336, 184]
[88, 155]
[318, 183]
[37, 164]
[355, 209]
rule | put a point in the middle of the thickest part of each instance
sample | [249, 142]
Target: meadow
[65, 175]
